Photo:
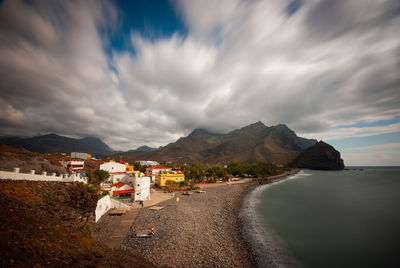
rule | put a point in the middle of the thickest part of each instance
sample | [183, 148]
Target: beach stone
[204, 230]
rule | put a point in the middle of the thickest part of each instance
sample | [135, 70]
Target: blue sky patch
[361, 124]
[365, 141]
[153, 20]
[293, 7]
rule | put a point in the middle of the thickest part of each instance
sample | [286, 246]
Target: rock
[320, 156]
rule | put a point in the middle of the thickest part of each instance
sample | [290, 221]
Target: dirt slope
[44, 224]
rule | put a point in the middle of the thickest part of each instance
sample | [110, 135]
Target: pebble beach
[199, 230]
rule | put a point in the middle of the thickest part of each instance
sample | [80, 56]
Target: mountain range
[253, 143]
[53, 143]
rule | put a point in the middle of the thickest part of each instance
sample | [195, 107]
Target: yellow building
[162, 178]
[129, 168]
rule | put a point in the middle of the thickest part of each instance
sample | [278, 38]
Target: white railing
[31, 176]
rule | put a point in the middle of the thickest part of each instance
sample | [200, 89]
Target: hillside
[253, 143]
[11, 157]
[46, 224]
[53, 143]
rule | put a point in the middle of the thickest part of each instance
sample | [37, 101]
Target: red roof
[122, 192]
[120, 184]
[158, 167]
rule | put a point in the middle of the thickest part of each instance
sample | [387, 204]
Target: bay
[348, 218]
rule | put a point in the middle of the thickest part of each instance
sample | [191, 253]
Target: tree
[139, 167]
[96, 177]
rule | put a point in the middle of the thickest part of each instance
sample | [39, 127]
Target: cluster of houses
[124, 180]
[161, 174]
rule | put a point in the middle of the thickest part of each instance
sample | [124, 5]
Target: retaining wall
[106, 203]
[31, 176]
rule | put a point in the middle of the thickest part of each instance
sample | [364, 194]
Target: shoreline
[200, 230]
[213, 228]
[266, 247]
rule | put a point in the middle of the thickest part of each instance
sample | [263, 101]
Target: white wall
[114, 178]
[142, 189]
[112, 167]
[79, 155]
[103, 205]
[16, 175]
[148, 163]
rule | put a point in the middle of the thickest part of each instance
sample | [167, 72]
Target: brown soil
[45, 224]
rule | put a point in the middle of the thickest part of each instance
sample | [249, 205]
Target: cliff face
[319, 156]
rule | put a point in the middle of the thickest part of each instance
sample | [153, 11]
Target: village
[124, 187]
[135, 206]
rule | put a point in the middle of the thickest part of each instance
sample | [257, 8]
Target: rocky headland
[320, 156]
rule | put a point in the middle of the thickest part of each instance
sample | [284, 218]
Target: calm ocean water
[347, 218]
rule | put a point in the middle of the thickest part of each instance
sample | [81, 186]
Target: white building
[122, 190]
[74, 166]
[148, 163]
[80, 155]
[142, 188]
[117, 172]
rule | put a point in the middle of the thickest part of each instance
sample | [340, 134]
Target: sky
[145, 72]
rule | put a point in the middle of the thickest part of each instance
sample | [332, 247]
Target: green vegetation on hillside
[96, 177]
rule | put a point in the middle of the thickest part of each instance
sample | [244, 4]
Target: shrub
[103, 194]
[171, 182]
[96, 177]
[183, 183]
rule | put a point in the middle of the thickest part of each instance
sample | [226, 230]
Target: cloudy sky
[148, 72]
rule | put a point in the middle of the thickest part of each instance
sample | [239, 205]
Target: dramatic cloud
[313, 65]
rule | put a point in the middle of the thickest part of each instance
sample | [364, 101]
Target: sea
[348, 218]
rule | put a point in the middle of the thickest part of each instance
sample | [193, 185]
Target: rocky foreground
[201, 230]
[46, 224]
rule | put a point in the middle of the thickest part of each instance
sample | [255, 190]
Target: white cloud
[376, 155]
[331, 63]
[342, 133]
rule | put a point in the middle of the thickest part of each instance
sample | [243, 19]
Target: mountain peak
[254, 127]
[257, 124]
[199, 131]
[145, 148]
[51, 135]
[283, 128]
